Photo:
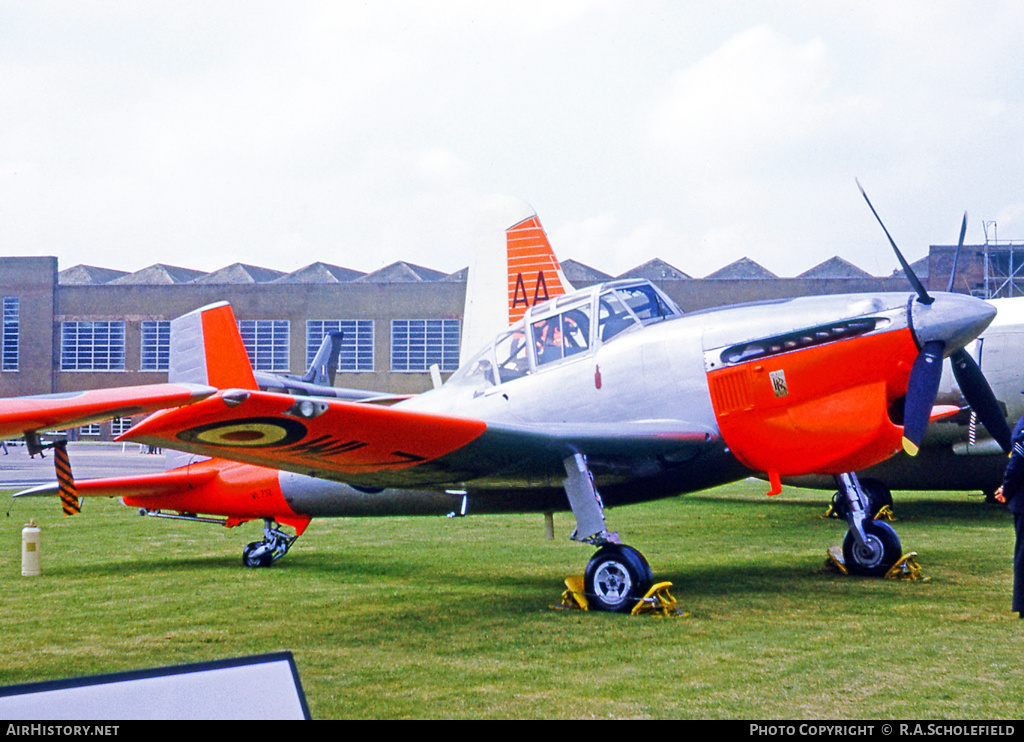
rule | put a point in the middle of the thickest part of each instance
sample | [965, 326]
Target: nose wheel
[871, 547]
[879, 551]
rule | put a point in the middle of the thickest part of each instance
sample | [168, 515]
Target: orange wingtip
[941, 411]
[53, 411]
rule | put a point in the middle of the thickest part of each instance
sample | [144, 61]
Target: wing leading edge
[21, 415]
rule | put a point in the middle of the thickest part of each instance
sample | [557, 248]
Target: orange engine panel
[819, 410]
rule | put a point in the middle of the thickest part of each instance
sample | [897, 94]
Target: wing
[374, 446]
[21, 415]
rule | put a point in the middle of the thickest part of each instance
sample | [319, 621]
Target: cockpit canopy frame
[564, 328]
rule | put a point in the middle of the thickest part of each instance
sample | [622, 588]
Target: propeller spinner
[943, 324]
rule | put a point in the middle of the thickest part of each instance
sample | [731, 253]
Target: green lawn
[438, 618]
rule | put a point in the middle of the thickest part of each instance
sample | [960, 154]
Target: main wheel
[878, 495]
[257, 554]
[881, 552]
[616, 578]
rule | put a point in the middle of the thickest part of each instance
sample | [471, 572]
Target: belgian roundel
[250, 432]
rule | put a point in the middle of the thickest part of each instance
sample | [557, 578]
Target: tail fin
[506, 278]
[325, 363]
[534, 273]
[206, 348]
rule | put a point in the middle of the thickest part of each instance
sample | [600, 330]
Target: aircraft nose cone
[953, 319]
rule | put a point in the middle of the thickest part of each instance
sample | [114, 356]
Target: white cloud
[441, 167]
[758, 93]
[362, 133]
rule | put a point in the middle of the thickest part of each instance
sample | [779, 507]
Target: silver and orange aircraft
[607, 395]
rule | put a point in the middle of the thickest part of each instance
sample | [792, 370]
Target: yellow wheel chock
[657, 602]
[906, 568]
[885, 513]
[573, 597]
[835, 560]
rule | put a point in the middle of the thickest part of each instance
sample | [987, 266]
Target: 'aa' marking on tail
[540, 293]
[530, 254]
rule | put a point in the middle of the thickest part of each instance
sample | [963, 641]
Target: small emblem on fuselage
[779, 383]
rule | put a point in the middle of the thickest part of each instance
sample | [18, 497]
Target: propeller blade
[921, 391]
[978, 394]
[956, 255]
[922, 293]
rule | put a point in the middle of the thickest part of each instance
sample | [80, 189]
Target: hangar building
[90, 327]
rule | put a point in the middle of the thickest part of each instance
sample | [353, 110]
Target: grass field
[438, 618]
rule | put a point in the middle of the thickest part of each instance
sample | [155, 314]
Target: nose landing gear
[871, 547]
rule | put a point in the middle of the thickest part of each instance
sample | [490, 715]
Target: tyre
[257, 554]
[616, 578]
[882, 551]
[878, 495]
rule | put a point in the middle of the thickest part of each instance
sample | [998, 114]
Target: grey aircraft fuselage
[632, 388]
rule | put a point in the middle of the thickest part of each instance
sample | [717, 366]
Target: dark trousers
[1018, 563]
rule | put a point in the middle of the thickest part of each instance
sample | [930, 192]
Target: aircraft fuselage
[657, 401]
[789, 386]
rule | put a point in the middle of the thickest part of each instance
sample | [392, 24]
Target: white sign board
[261, 687]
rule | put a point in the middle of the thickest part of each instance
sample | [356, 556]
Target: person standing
[1011, 493]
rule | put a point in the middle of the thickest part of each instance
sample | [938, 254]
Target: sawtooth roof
[743, 268]
[655, 270]
[835, 267]
[321, 273]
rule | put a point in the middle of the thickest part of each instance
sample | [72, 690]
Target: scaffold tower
[1004, 265]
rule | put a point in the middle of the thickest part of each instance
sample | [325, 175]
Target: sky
[279, 134]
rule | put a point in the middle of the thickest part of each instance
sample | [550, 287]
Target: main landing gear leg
[275, 544]
[617, 576]
[871, 547]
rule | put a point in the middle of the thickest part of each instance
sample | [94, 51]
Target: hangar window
[356, 343]
[120, 425]
[11, 331]
[156, 345]
[266, 343]
[92, 346]
[417, 344]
